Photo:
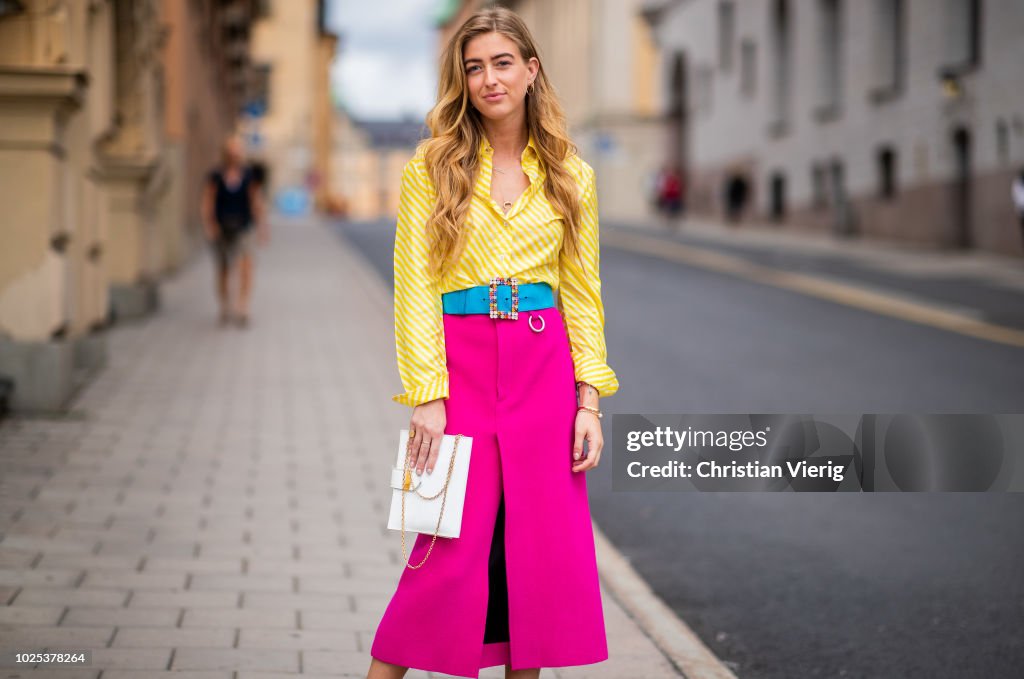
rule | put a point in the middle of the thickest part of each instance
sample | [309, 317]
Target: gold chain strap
[444, 491]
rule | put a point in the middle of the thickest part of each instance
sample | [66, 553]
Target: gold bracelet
[590, 410]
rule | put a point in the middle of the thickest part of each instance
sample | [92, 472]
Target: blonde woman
[497, 202]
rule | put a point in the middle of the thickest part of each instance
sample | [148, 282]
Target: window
[1002, 141]
[842, 213]
[888, 52]
[704, 81]
[886, 172]
[829, 57]
[837, 180]
[259, 93]
[748, 68]
[726, 33]
[678, 102]
[781, 48]
[963, 33]
[777, 195]
[819, 185]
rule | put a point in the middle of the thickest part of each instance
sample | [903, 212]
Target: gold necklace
[506, 204]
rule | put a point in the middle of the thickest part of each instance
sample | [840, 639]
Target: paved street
[214, 503]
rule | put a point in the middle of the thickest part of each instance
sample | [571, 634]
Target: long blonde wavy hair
[456, 127]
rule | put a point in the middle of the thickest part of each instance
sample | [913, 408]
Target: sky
[386, 63]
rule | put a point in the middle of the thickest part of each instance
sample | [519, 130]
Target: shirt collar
[530, 158]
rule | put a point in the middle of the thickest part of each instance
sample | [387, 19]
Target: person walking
[232, 203]
[671, 192]
[735, 197]
[1017, 189]
[498, 202]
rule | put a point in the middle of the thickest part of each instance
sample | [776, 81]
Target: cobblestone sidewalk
[214, 504]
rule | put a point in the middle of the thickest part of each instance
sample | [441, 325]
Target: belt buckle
[492, 292]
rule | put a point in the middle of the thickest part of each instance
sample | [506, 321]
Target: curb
[679, 644]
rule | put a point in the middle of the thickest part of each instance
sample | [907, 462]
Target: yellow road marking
[815, 287]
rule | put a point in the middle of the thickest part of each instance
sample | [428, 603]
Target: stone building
[369, 156]
[99, 105]
[291, 128]
[895, 119]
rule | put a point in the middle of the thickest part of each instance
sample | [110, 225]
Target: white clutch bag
[430, 503]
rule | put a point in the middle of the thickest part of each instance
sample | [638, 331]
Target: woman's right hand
[428, 422]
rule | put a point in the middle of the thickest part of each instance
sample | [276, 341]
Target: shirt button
[506, 223]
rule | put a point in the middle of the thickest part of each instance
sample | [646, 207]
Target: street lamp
[950, 80]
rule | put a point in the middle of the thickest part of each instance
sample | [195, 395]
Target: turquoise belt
[503, 298]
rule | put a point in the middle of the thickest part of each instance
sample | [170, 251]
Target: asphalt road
[806, 585]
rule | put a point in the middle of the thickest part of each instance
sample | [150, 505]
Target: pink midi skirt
[519, 586]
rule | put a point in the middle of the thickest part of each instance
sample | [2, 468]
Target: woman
[232, 203]
[498, 191]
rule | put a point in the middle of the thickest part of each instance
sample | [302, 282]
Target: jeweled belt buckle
[493, 296]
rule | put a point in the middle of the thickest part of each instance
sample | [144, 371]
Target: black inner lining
[496, 629]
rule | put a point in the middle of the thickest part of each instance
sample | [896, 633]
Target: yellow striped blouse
[525, 243]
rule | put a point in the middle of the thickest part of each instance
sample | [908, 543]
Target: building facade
[893, 119]
[95, 198]
[290, 128]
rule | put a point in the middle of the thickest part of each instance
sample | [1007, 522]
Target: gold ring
[412, 433]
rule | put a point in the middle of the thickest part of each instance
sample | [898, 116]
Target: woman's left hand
[588, 426]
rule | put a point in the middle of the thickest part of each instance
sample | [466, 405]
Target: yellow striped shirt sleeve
[579, 297]
[419, 324]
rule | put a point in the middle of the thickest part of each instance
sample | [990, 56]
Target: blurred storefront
[895, 119]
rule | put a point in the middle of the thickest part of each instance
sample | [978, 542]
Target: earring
[529, 88]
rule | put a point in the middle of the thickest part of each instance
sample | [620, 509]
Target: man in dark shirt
[233, 215]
